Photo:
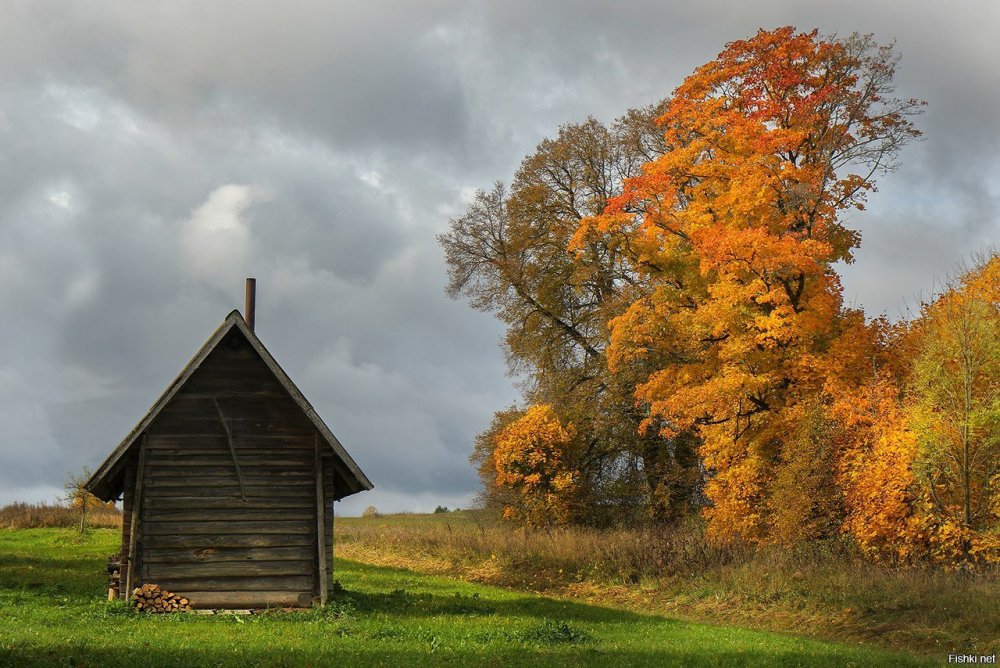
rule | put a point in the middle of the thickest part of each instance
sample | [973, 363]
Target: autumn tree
[919, 453]
[508, 255]
[884, 507]
[955, 414]
[79, 498]
[735, 229]
[538, 457]
[492, 495]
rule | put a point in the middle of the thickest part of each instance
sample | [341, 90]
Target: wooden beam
[333, 515]
[249, 599]
[136, 526]
[320, 528]
[232, 447]
[291, 583]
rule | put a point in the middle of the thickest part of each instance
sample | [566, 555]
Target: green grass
[826, 589]
[51, 613]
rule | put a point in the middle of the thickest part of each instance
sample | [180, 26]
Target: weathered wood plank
[248, 599]
[223, 554]
[253, 394]
[329, 468]
[232, 450]
[232, 515]
[179, 585]
[253, 491]
[243, 407]
[156, 527]
[258, 470]
[230, 540]
[180, 503]
[273, 440]
[245, 410]
[288, 459]
[231, 381]
[127, 504]
[232, 482]
[135, 526]
[171, 570]
[320, 519]
[276, 460]
[216, 439]
[204, 426]
[234, 367]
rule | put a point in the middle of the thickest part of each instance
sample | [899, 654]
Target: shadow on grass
[402, 603]
[439, 597]
[382, 654]
[53, 575]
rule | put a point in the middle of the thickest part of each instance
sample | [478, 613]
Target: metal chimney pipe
[248, 312]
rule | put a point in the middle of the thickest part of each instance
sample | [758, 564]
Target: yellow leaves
[533, 456]
[917, 468]
[954, 409]
[737, 490]
[877, 479]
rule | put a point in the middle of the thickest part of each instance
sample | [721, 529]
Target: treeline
[673, 310]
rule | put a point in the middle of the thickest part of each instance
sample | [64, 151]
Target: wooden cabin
[228, 483]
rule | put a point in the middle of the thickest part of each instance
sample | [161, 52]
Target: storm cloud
[151, 156]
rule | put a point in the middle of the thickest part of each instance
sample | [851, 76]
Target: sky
[152, 155]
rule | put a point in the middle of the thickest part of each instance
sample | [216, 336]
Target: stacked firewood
[151, 598]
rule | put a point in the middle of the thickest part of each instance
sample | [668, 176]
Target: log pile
[151, 598]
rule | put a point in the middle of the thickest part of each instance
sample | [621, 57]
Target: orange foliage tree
[736, 230]
[535, 457]
[919, 438]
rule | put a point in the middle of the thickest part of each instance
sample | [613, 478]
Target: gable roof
[103, 482]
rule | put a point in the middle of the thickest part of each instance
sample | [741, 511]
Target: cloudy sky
[154, 154]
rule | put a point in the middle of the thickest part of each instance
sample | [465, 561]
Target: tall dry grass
[618, 556]
[44, 515]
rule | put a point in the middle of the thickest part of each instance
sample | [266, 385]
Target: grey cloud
[347, 134]
[361, 75]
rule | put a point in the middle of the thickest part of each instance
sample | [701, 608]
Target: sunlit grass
[52, 612]
[825, 590]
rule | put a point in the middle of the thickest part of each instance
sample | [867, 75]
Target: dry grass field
[45, 515]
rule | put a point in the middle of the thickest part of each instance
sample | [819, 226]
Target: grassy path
[51, 613]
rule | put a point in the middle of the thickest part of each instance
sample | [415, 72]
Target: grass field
[52, 583]
[826, 591]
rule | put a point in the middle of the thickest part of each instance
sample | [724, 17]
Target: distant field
[52, 612]
[462, 517]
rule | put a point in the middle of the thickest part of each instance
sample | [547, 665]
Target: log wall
[229, 514]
